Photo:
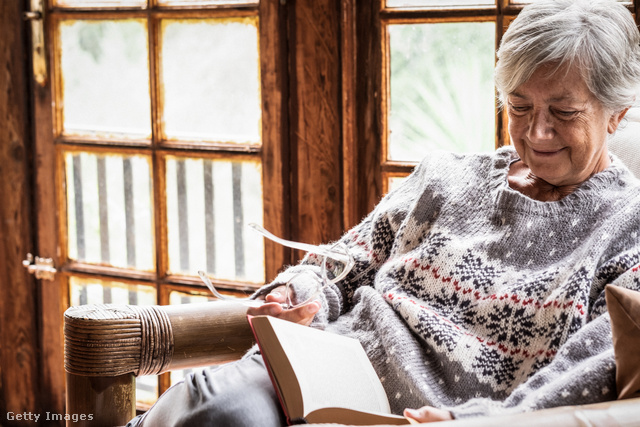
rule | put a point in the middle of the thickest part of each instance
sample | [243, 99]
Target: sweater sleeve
[369, 243]
[582, 372]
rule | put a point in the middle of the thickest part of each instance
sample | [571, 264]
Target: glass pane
[94, 291]
[212, 87]
[533, 1]
[105, 78]
[209, 205]
[177, 298]
[394, 182]
[109, 210]
[442, 92]
[101, 3]
[205, 2]
[437, 3]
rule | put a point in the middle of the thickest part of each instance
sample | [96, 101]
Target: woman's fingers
[277, 295]
[267, 309]
[273, 306]
[303, 315]
[428, 414]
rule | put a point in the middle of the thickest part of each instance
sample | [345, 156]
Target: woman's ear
[615, 120]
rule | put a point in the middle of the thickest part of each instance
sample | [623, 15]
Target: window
[438, 79]
[162, 116]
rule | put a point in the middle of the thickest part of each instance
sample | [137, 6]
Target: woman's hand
[428, 414]
[273, 307]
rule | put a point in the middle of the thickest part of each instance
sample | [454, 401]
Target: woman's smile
[547, 152]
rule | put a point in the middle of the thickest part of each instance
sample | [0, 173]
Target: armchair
[106, 347]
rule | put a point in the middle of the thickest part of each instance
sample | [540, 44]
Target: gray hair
[599, 37]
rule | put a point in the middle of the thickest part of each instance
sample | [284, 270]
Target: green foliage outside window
[442, 91]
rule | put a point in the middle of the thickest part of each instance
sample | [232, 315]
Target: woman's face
[559, 128]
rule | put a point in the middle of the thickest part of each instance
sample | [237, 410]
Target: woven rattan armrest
[106, 346]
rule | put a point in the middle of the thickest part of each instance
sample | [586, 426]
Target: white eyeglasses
[337, 252]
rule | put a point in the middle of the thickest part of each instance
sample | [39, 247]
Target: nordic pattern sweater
[469, 296]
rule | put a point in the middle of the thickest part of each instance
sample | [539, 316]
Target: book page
[332, 370]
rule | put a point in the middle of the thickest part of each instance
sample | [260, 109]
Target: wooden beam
[19, 385]
[48, 215]
[315, 120]
[370, 98]
[275, 149]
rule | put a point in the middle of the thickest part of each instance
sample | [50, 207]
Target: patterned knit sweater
[469, 296]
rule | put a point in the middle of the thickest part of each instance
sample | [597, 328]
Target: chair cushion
[624, 309]
[625, 142]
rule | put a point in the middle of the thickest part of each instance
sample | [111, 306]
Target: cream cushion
[625, 142]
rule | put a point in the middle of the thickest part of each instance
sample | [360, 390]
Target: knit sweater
[470, 296]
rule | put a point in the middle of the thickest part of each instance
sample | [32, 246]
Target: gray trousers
[236, 394]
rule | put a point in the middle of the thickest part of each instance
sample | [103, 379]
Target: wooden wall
[19, 377]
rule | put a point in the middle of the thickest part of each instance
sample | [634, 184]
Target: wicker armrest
[106, 346]
[609, 414]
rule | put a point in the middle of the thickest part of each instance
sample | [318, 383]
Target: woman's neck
[521, 179]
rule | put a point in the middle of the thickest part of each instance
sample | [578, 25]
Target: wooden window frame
[51, 145]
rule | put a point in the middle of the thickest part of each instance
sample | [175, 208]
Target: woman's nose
[540, 126]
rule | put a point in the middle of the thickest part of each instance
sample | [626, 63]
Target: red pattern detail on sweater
[370, 253]
[479, 297]
[490, 343]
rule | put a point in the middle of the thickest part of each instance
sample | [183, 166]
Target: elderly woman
[478, 285]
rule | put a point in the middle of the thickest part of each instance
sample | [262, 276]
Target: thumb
[428, 414]
[412, 413]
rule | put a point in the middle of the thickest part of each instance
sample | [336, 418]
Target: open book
[321, 377]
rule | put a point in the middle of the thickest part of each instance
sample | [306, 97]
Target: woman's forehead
[555, 84]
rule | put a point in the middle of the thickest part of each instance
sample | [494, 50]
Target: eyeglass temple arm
[320, 250]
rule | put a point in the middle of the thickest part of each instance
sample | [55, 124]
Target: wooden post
[315, 126]
[100, 401]
[20, 378]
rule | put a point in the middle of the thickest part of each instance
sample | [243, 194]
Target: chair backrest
[625, 143]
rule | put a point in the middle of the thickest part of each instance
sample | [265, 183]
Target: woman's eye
[518, 109]
[565, 113]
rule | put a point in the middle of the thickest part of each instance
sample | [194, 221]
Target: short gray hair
[599, 37]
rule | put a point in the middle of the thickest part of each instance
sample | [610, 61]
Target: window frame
[51, 146]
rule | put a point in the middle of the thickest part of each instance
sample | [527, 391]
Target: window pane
[533, 1]
[212, 86]
[109, 210]
[100, 3]
[394, 182]
[442, 92]
[177, 298]
[438, 3]
[205, 2]
[209, 205]
[94, 291]
[105, 78]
